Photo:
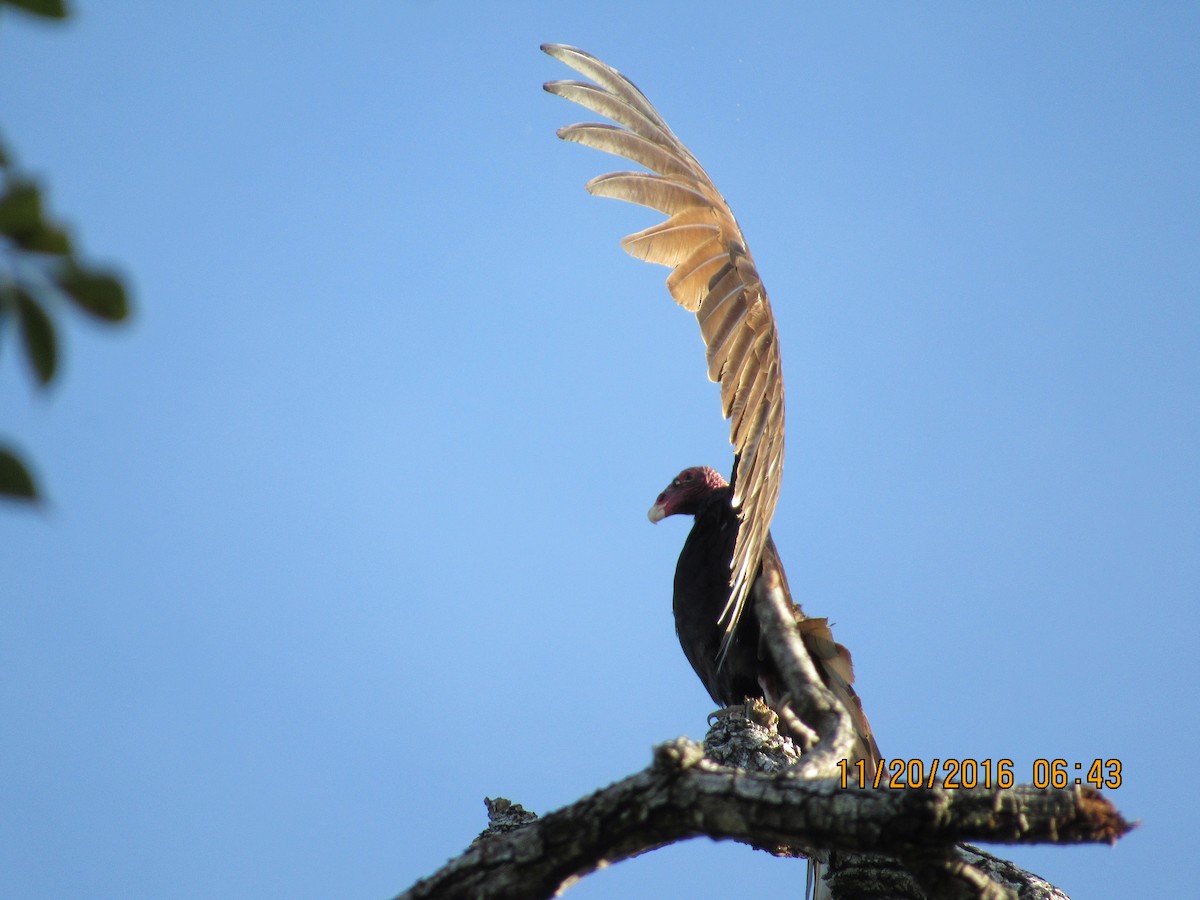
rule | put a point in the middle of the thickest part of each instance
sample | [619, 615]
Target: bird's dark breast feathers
[701, 591]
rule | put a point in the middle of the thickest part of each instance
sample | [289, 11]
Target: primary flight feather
[713, 276]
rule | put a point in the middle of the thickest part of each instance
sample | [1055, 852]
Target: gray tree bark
[883, 843]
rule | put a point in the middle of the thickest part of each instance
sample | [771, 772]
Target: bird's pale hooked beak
[657, 512]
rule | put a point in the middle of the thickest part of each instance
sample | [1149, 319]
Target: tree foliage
[41, 274]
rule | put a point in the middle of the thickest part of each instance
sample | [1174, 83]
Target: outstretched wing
[713, 276]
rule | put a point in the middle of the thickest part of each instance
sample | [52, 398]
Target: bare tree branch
[684, 795]
[804, 691]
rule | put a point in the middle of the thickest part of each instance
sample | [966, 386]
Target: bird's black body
[701, 592]
[747, 670]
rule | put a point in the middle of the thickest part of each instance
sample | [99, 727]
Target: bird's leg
[758, 712]
[725, 712]
[752, 709]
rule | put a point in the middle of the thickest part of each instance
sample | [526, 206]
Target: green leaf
[99, 293]
[37, 332]
[15, 480]
[8, 296]
[44, 239]
[8, 306]
[50, 9]
[21, 209]
[21, 219]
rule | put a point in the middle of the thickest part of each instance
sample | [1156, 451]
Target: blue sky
[347, 530]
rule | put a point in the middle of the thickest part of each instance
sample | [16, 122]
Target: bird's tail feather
[837, 671]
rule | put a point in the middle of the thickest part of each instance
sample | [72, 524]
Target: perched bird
[714, 276]
[701, 590]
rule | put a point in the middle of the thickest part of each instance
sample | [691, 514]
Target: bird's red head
[686, 492]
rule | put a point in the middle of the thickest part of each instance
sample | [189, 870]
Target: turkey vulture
[713, 276]
[701, 589]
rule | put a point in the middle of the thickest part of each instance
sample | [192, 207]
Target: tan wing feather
[671, 242]
[837, 670]
[714, 276]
